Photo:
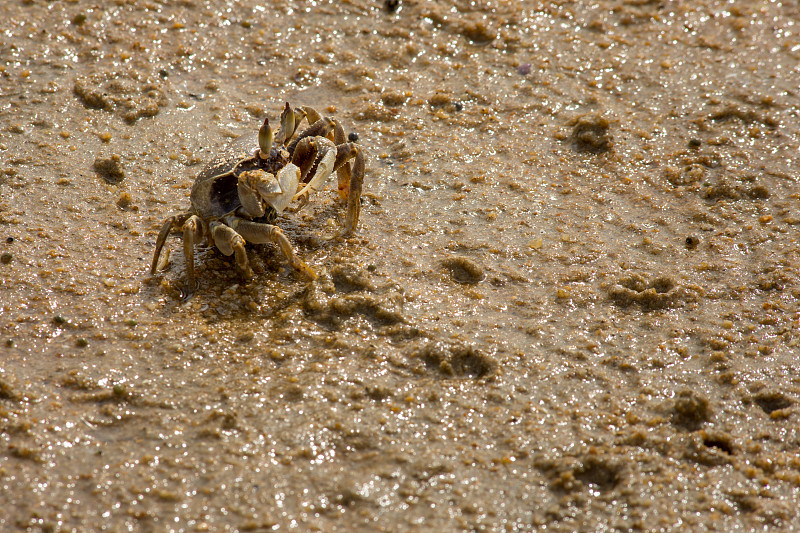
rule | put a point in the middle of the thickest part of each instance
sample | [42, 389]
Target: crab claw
[287, 124]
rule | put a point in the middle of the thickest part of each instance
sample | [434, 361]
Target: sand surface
[571, 303]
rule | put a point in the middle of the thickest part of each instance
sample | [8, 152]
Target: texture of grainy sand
[571, 303]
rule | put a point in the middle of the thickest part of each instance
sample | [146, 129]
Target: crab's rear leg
[259, 233]
[171, 222]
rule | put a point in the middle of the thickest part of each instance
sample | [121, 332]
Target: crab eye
[265, 139]
[287, 123]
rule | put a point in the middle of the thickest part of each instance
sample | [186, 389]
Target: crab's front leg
[255, 187]
[304, 155]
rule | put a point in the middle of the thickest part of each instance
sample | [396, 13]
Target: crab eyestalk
[265, 140]
[287, 124]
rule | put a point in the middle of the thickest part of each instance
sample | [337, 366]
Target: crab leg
[338, 133]
[354, 192]
[192, 233]
[299, 115]
[229, 242]
[259, 233]
[304, 156]
[171, 222]
[344, 171]
[311, 114]
[320, 128]
[323, 171]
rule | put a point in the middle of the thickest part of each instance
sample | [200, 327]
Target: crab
[239, 193]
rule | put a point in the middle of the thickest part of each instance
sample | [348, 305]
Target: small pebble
[124, 200]
[6, 258]
[110, 169]
[524, 69]
[353, 137]
[536, 243]
[463, 270]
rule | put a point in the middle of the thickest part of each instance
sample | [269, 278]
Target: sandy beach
[571, 302]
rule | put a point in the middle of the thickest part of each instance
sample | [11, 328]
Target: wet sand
[571, 303]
